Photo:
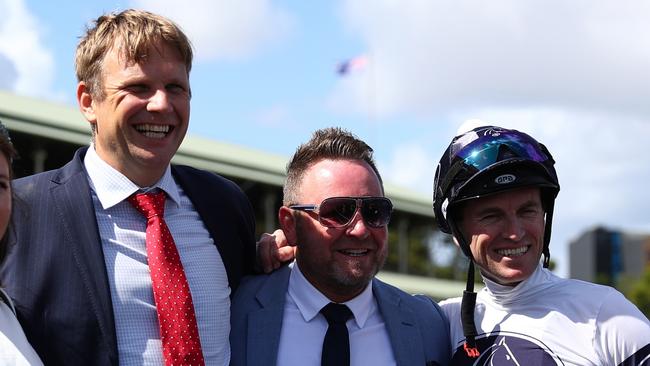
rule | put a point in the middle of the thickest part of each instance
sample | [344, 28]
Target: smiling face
[339, 262]
[506, 232]
[143, 118]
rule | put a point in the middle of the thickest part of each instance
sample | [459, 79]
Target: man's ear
[85, 101]
[288, 224]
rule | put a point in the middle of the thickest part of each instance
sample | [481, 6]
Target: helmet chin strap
[547, 233]
[468, 302]
[467, 305]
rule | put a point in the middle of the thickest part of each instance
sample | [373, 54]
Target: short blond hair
[135, 31]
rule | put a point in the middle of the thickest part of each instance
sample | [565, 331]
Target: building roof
[63, 122]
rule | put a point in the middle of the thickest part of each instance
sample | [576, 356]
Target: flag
[351, 65]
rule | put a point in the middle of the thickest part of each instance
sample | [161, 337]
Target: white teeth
[513, 252]
[355, 252]
[153, 131]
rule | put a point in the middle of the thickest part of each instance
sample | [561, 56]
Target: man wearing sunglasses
[334, 212]
[494, 192]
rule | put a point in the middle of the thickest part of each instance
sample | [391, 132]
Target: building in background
[608, 256]
[47, 134]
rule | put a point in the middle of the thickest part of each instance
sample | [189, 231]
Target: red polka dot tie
[178, 330]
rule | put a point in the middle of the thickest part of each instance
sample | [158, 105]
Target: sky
[573, 74]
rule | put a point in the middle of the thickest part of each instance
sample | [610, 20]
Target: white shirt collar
[113, 187]
[309, 300]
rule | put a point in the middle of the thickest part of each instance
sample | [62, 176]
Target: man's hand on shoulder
[273, 251]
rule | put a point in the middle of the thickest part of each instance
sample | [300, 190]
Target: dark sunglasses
[336, 212]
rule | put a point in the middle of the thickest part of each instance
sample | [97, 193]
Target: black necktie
[336, 345]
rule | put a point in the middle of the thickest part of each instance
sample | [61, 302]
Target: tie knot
[336, 313]
[149, 204]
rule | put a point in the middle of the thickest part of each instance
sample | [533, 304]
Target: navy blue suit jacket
[55, 270]
[417, 328]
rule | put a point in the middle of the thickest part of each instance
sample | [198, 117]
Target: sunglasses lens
[337, 212]
[376, 211]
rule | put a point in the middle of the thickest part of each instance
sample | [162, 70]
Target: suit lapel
[71, 196]
[265, 324]
[401, 325]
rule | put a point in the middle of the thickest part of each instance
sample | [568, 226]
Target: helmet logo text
[505, 179]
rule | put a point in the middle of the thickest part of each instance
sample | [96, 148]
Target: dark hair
[328, 143]
[7, 149]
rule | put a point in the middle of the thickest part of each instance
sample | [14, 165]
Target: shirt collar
[309, 300]
[524, 291]
[113, 187]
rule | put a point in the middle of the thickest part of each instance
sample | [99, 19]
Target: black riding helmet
[481, 162]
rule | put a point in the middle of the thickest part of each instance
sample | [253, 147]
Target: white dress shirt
[304, 327]
[122, 231]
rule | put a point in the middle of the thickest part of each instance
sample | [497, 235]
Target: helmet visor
[499, 145]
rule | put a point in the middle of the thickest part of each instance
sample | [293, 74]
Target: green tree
[639, 292]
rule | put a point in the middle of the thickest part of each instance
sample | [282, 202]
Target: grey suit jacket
[417, 328]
